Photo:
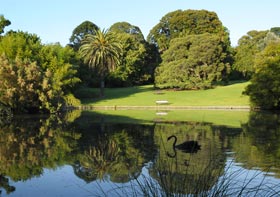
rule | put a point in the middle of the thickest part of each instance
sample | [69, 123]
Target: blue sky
[54, 20]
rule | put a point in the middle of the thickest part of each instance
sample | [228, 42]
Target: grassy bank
[230, 95]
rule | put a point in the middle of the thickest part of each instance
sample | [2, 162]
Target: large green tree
[264, 89]
[80, 32]
[101, 51]
[20, 82]
[137, 60]
[248, 47]
[183, 22]
[87, 27]
[58, 64]
[21, 45]
[193, 62]
[36, 76]
[195, 49]
[3, 23]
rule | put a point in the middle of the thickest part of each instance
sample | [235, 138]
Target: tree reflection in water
[259, 144]
[117, 153]
[29, 144]
[112, 155]
[188, 173]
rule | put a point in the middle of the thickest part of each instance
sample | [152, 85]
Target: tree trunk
[102, 86]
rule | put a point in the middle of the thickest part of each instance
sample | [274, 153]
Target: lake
[127, 153]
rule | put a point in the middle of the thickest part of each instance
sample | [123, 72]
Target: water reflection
[188, 172]
[116, 153]
[259, 144]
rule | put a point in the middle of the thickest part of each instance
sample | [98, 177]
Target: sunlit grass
[230, 95]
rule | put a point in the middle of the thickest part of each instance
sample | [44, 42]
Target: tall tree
[20, 45]
[20, 83]
[124, 27]
[264, 89]
[248, 47]
[80, 32]
[193, 62]
[35, 77]
[275, 30]
[183, 22]
[101, 51]
[3, 23]
[137, 60]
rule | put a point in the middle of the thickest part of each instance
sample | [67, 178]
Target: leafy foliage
[80, 32]
[180, 23]
[35, 77]
[264, 90]
[20, 84]
[101, 51]
[195, 50]
[20, 45]
[137, 60]
[246, 51]
[3, 23]
[193, 62]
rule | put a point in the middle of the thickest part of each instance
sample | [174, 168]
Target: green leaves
[3, 23]
[80, 32]
[181, 23]
[20, 83]
[193, 62]
[264, 89]
[195, 50]
[136, 62]
[246, 52]
[101, 51]
[35, 77]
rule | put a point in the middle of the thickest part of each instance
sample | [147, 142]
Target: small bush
[71, 100]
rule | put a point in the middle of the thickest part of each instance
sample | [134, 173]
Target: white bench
[162, 102]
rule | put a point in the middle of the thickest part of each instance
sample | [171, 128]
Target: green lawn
[230, 95]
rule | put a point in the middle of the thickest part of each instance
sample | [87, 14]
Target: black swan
[187, 146]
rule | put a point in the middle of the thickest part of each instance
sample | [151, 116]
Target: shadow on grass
[228, 83]
[93, 116]
[117, 93]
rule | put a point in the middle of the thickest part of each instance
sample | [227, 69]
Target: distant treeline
[186, 50]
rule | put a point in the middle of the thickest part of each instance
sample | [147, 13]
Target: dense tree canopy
[248, 47]
[3, 23]
[125, 27]
[192, 62]
[101, 51]
[35, 77]
[183, 22]
[187, 49]
[20, 45]
[19, 84]
[264, 89]
[137, 59]
[80, 32]
[195, 50]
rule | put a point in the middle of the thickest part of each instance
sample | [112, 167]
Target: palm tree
[101, 51]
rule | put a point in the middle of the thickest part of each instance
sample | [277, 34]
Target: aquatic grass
[229, 184]
[232, 180]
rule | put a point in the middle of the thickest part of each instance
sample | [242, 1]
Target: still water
[86, 153]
